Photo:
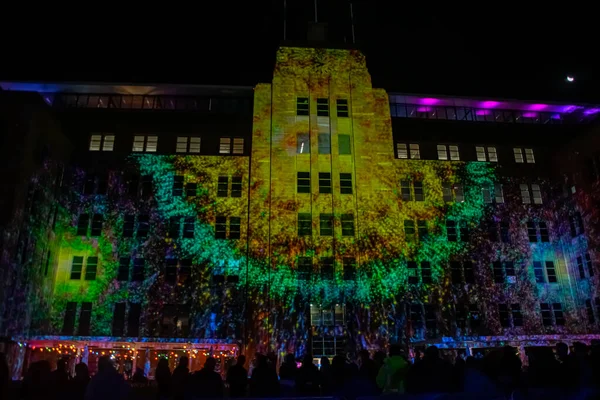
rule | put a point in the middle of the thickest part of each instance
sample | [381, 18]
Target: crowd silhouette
[556, 372]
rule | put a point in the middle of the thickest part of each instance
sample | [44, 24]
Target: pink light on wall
[591, 111]
[530, 114]
[569, 109]
[489, 104]
[536, 107]
[483, 112]
[423, 109]
[429, 101]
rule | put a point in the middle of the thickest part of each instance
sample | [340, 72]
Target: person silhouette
[237, 378]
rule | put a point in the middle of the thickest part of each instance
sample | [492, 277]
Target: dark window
[405, 190]
[133, 186]
[474, 317]
[123, 274]
[465, 235]
[342, 107]
[551, 272]
[422, 228]
[546, 314]
[326, 224]
[559, 316]
[345, 183]
[324, 182]
[302, 106]
[303, 180]
[235, 227]
[426, 272]
[409, 229]
[222, 186]
[185, 270]
[531, 232]
[344, 145]
[324, 143]
[236, 186]
[517, 315]
[174, 227]
[580, 267]
[221, 227]
[349, 264]
[82, 224]
[85, 319]
[139, 264]
[327, 271]
[493, 231]
[544, 233]
[97, 221]
[416, 315]
[456, 272]
[91, 268]
[171, 270]
[133, 320]
[118, 325]
[469, 273]
[143, 226]
[589, 264]
[451, 230]
[503, 313]
[504, 232]
[178, 185]
[102, 184]
[77, 268]
[590, 312]
[128, 225]
[538, 271]
[431, 320]
[347, 225]
[89, 184]
[69, 321]
[304, 224]
[413, 276]
[579, 221]
[447, 192]
[509, 268]
[419, 193]
[304, 268]
[188, 227]
[191, 189]
[146, 186]
[322, 107]
[498, 272]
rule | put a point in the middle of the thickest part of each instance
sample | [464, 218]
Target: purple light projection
[423, 109]
[537, 107]
[429, 101]
[483, 112]
[530, 114]
[489, 104]
[591, 111]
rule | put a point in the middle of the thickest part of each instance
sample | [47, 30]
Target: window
[324, 143]
[493, 194]
[91, 268]
[235, 227]
[139, 264]
[451, 230]
[347, 225]
[76, 268]
[413, 277]
[588, 262]
[509, 268]
[431, 320]
[188, 227]
[537, 194]
[304, 224]
[305, 268]
[527, 193]
[448, 152]
[580, 267]
[174, 227]
[302, 106]
[442, 152]
[236, 186]
[85, 318]
[89, 184]
[576, 224]
[303, 143]
[349, 264]
[69, 321]
[459, 195]
[518, 155]
[469, 273]
[546, 314]
[327, 270]
[185, 271]
[409, 230]
[408, 151]
[447, 194]
[222, 186]
[503, 313]
[322, 107]
[486, 154]
[559, 316]
[426, 272]
[456, 272]
[238, 146]
[191, 189]
[345, 183]
[453, 192]
[342, 107]
[504, 232]
[123, 272]
[324, 182]
[143, 226]
[544, 234]
[422, 229]
[303, 182]
[82, 224]
[529, 158]
[405, 190]
[118, 326]
[146, 185]
[590, 312]
[517, 315]
[147, 144]
[229, 146]
[419, 193]
[531, 232]
[178, 185]
[171, 270]
[474, 317]
[221, 227]
[326, 224]
[188, 144]
[498, 272]
[225, 145]
[551, 272]
[538, 272]
[102, 142]
[128, 225]
[344, 144]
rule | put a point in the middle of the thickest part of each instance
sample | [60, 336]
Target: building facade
[311, 214]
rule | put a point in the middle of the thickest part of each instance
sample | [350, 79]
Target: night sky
[497, 50]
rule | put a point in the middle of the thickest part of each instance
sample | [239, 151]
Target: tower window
[322, 107]
[303, 182]
[302, 106]
[345, 183]
[342, 107]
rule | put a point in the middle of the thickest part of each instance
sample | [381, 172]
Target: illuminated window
[128, 225]
[147, 144]
[589, 264]
[85, 318]
[493, 194]
[345, 183]
[426, 272]
[102, 142]
[324, 143]
[225, 145]
[302, 106]
[303, 143]
[529, 156]
[344, 144]
[442, 152]
[518, 155]
[221, 227]
[305, 268]
[303, 182]
[349, 264]
[347, 225]
[139, 265]
[76, 268]
[486, 153]
[223, 186]
[304, 224]
[322, 107]
[492, 154]
[342, 107]
[408, 151]
[503, 314]
[83, 224]
[188, 144]
[537, 194]
[188, 227]
[529, 195]
[402, 150]
[326, 224]
[327, 270]
[324, 182]
[118, 325]
[235, 227]
[178, 185]
[143, 226]
[580, 267]
[238, 146]
[191, 189]
[551, 272]
[123, 272]
[236, 186]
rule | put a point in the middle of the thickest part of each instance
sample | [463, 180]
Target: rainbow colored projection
[320, 215]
